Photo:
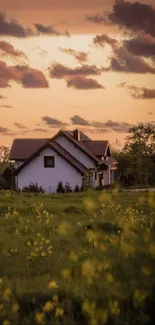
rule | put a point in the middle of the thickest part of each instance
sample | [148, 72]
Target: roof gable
[62, 152]
[98, 148]
[79, 144]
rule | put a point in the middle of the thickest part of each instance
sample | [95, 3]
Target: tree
[142, 138]
[139, 146]
[4, 154]
[5, 167]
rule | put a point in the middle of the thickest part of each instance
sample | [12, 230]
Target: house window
[49, 162]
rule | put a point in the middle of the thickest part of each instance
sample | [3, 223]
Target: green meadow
[77, 259]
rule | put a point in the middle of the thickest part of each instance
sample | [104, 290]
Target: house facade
[70, 157]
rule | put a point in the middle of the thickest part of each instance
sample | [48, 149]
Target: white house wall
[48, 178]
[76, 152]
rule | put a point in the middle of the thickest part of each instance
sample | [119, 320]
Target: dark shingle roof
[62, 152]
[82, 146]
[98, 148]
[23, 148]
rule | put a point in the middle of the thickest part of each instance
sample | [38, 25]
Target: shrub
[33, 188]
[60, 188]
[77, 189]
[68, 188]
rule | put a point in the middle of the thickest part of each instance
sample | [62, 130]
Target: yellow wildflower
[139, 296]
[49, 306]
[40, 318]
[15, 307]
[66, 273]
[73, 256]
[146, 271]
[55, 298]
[52, 285]
[59, 312]
[115, 310]
[109, 277]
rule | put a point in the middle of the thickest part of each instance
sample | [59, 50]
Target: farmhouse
[70, 157]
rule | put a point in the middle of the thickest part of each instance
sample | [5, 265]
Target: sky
[76, 64]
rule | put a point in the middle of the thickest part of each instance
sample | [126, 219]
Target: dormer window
[49, 162]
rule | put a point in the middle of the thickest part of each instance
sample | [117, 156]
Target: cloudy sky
[67, 64]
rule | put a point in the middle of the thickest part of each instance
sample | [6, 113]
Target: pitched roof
[23, 148]
[98, 148]
[62, 152]
[79, 144]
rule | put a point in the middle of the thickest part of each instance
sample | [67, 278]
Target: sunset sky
[67, 64]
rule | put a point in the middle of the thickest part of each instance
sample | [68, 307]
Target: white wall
[48, 178]
[76, 152]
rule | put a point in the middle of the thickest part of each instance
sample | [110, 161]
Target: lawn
[77, 259]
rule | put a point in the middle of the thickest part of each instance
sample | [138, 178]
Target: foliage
[60, 188]
[135, 166]
[67, 188]
[4, 154]
[56, 270]
[77, 189]
[33, 188]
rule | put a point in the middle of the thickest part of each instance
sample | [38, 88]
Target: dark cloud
[139, 92]
[5, 131]
[61, 71]
[6, 106]
[134, 16]
[49, 30]
[20, 126]
[80, 56]
[101, 127]
[113, 125]
[101, 40]
[124, 61]
[11, 27]
[28, 77]
[96, 18]
[95, 130]
[151, 113]
[7, 74]
[52, 122]
[84, 83]
[32, 78]
[143, 45]
[39, 130]
[78, 120]
[6, 49]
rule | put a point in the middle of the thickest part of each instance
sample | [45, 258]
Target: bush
[68, 188]
[33, 188]
[60, 188]
[77, 189]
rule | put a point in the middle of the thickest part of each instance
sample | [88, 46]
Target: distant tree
[6, 168]
[134, 163]
[4, 154]
[60, 188]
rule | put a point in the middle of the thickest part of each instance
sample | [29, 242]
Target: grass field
[77, 259]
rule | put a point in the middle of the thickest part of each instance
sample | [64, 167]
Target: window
[49, 162]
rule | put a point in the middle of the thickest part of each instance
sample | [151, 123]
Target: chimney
[76, 134]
